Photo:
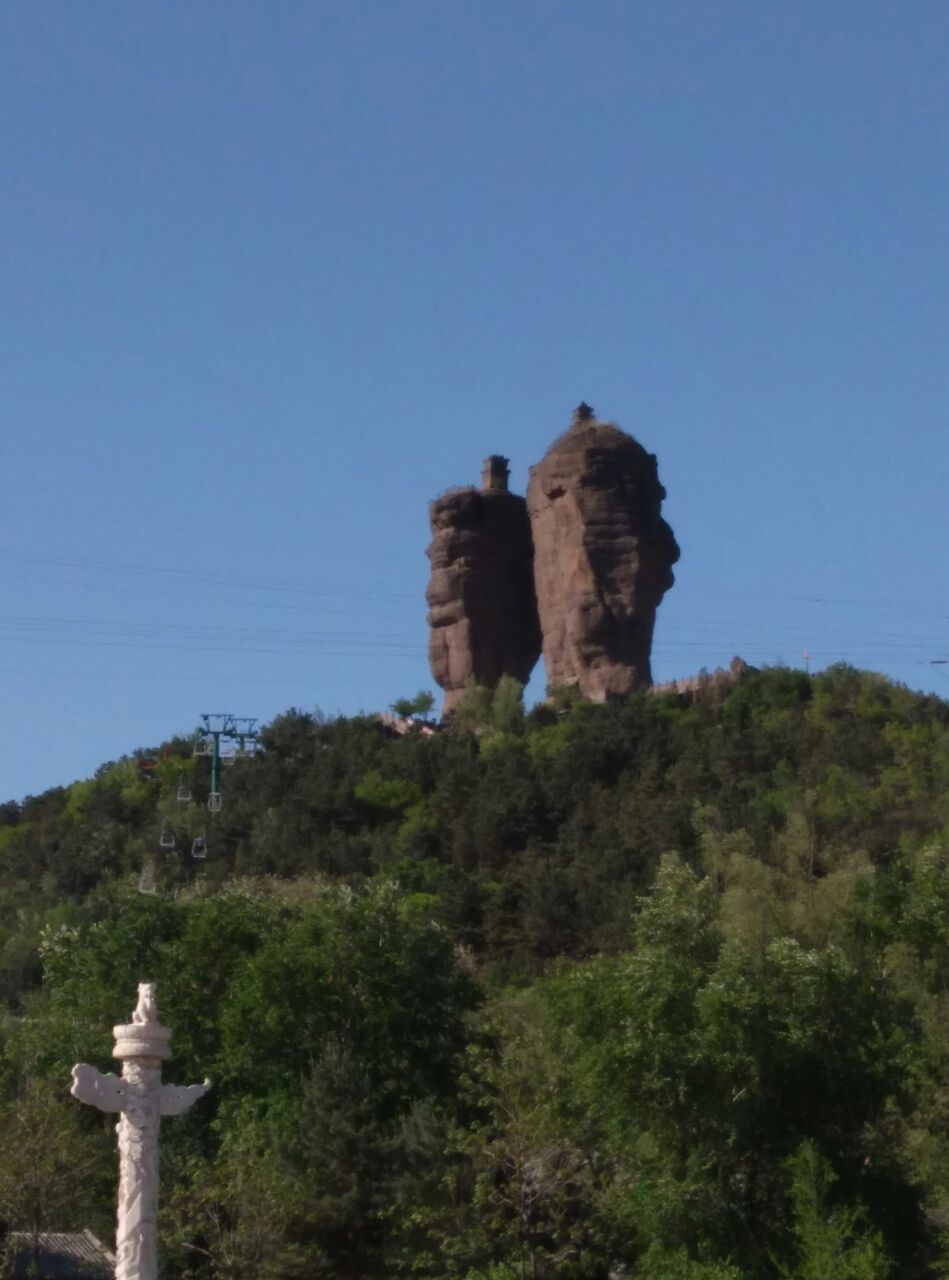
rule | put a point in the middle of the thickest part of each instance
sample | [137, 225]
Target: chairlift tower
[221, 726]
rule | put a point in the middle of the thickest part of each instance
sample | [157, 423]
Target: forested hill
[656, 989]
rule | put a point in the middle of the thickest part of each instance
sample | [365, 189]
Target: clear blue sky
[273, 274]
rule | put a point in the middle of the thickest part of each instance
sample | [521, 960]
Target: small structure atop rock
[494, 474]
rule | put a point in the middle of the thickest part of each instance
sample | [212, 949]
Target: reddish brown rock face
[482, 610]
[603, 557]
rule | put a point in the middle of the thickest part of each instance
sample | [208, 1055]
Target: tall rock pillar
[603, 557]
[482, 611]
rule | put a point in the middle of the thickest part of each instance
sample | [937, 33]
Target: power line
[669, 632]
[760, 640]
[348, 652]
[45, 622]
[297, 586]
[206, 678]
[255, 641]
[203, 599]
[256, 584]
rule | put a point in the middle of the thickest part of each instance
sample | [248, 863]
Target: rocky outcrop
[603, 557]
[482, 610]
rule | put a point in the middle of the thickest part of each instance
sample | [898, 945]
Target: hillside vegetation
[652, 990]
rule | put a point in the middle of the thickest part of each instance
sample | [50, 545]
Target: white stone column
[140, 1099]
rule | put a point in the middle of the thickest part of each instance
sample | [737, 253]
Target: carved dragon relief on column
[141, 1100]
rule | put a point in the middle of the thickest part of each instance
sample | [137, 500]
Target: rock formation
[482, 609]
[603, 557]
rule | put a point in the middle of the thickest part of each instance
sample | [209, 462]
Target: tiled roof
[62, 1256]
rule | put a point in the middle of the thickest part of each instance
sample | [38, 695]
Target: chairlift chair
[199, 847]
[183, 794]
[214, 802]
[167, 839]
[202, 747]
[146, 880]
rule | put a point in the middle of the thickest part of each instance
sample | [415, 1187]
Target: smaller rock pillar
[482, 614]
[140, 1099]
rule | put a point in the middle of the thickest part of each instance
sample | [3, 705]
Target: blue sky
[274, 274]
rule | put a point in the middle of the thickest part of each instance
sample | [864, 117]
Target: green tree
[676, 1264]
[421, 705]
[49, 1167]
[830, 1241]
[236, 1216]
[507, 706]
[473, 711]
[530, 1190]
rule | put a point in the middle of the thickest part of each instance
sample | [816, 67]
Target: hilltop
[653, 988]
[531, 833]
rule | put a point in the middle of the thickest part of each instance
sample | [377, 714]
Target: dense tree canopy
[649, 990]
